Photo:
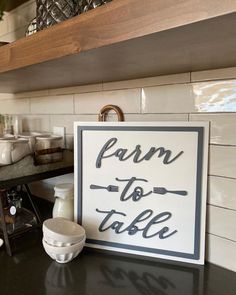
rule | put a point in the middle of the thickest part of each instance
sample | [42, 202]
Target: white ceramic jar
[31, 137]
[13, 150]
[64, 203]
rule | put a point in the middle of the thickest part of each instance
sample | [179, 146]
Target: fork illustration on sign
[109, 188]
[163, 191]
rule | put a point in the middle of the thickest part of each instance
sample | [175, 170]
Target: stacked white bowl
[63, 239]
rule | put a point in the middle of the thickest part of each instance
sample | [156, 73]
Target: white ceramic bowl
[51, 241]
[63, 254]
[63, 230]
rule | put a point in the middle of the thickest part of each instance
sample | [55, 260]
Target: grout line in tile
[162, 85]
[163, 113]
[225, 208]
[149, 86]
[211, 113]
[182, 113]
[51, 114]
[73, 104]
[219, 176]
[221, 237]
[146, 86]
[212, 80]
[141, 102]
[222, 145]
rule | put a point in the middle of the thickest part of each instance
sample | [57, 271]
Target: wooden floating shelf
[123, 39]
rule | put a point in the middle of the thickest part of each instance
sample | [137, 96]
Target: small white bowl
[63, 254]
[51, 241]
[63, 230]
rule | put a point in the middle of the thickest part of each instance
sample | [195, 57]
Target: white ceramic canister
[31, 137]
[64, 203]
[13, 150]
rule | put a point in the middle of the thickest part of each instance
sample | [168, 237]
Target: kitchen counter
[25, 169]
[31, 271]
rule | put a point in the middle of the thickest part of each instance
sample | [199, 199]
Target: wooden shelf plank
[124, 39]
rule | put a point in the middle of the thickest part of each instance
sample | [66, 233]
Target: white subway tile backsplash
[146, 82]
[218, 74]
[156, 117]
[221, 192]
[68, 121]
[148, 117]
[221, 252]
[76, 89]
[112, 117]
[24, 6]
[215, 96]
[40, 123]
[3, 26]
[20, 17]
[32, 94]
[91, 103]
[15, 106]
[221, 222]
[86, 118]
[9, 37]
[168, 99]
[61, 104]
[14, 35]
[4, 96]
[163, 98]
[128, 100]
[221, 127]
[222, 161]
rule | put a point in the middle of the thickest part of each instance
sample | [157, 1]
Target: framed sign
[140, 188]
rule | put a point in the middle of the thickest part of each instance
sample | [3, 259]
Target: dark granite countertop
[26, 167]
[31, 271]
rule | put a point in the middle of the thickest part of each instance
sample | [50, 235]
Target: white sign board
[141, 187]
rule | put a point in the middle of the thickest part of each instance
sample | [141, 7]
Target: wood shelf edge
[117, 21]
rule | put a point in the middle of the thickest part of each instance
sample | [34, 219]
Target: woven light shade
[51, 12]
